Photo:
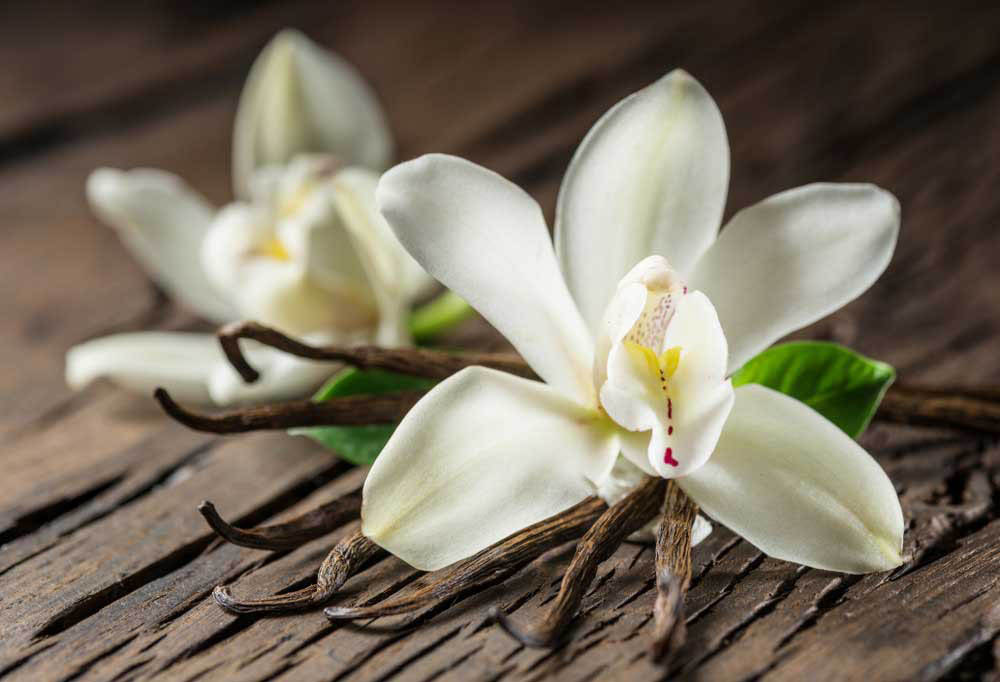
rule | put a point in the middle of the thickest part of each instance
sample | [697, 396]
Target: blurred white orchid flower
[633, 357]
[304, 249]
[309, 254]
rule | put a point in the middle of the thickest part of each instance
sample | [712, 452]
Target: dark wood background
[105, 566]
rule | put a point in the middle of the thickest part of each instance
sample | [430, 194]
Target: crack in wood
[30, 521]
[88, 664]
[17, 663]
[178, 558]
[760, 611]
[744, 571]
[454, 665]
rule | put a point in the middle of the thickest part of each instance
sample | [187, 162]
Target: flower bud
[300, 98]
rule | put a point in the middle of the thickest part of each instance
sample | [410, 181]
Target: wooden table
[106, 567]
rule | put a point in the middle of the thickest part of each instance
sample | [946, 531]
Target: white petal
[701, 529]
[627, 304]
[163, 222]
[795, 258]
[396, 278]
[686, 411]
[282, 377]
[389, 261]
[140, 362]
[483, 455]
[192, 368]
[797, 487]
[649, 178]
[485, 239]
[300, 98]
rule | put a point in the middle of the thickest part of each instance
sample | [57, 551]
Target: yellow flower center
[273, 248]
[664, 365]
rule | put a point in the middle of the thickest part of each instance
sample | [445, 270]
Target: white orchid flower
[308, 254]
[634, 356]
[304, 249]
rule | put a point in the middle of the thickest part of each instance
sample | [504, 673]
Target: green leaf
[359, 444]
[841, 385]
[439, 314]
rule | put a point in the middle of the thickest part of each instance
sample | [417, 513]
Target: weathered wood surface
[106, 567]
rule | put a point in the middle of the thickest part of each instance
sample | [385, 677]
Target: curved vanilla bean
[422, 362]
[971, 409]
[617, 523]
[345, 559]
[494, 564]
[673, 572]
[386, 408]
[291, 534]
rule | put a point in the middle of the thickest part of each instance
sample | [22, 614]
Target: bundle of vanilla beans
[599, 528]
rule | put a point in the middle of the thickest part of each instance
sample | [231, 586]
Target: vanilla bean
[673, 572]
[968, 409]
[600, 542]
[492, 565]
[387, 408]
[422, 362]
[985, 393]
[291, 534]
[345, 559]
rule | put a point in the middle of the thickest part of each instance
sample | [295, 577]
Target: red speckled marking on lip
[668, 458]
[670, 408]
[670, 430]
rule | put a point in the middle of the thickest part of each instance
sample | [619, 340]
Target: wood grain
[106, 568]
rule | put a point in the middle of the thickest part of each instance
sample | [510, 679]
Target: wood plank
[153, 535]
[172, 610]
[750, 615]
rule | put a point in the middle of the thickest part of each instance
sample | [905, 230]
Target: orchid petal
[795, 258]
[650, 177]
[192, 368]
[396, 278]
[483, 455]
[300, 98]
[162, 222]
[798, 488]
[700, 530]
[485, 239]
[140, 362]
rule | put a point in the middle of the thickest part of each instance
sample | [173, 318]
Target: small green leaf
[842, 385]
[438, 315]
[359, 444]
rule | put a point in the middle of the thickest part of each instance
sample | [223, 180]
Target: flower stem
[438, 315]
